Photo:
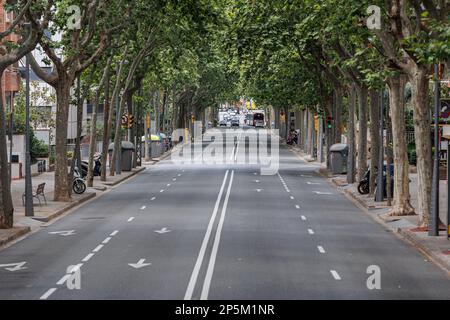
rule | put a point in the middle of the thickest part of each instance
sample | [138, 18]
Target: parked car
[223, 123]
[235, 122]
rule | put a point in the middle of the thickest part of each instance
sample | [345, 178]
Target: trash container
[155, 146]
[338, 158]
[126, 156]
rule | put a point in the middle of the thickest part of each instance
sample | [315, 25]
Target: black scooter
[97, 166]
[364, 184]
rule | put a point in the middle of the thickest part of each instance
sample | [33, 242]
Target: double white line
[201, 255]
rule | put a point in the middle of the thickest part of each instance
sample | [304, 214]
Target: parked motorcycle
[292, 138]
[78, 184]
[97, 166]
[364, 184]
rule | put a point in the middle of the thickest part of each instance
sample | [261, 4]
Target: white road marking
[15, 266]
[163, 230]
[98, 248]
[322, 193]
[48, 293]
[201, 254]
[161, 191]
[130, 219]
[303, 218]
[336, 275]
[153, 198]
[168, 184]
[63, 233]
[114, 233]
[292, 197]
[321, 249]
[259, 190]
[143, 207]
[67, 276]
[174, 179]
[139, 264]
[212, 259]
[310, 231]
[106, 240]
[89, 256]
[179, 174]
[313, 183]
[297, 206]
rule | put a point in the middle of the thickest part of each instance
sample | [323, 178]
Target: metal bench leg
[23, 200]
[45, 199]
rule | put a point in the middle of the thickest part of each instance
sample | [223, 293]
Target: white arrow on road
[140, 264]
[322, 193]
[16, 266]
[163, 230]
[64, 233]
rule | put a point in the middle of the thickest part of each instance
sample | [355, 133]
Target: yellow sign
[316, 123]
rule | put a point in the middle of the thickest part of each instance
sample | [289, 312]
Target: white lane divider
[161, 191]
[130, 219]
[292, 197]
[212, 259]
[168, 184]
[153, 198]
[321, 249]
[336, 275]
[77, 267]
[174, 179]
[201, 254]
[310, 231]
[303, 218]
[106, 240]
[143, 207]
[98, 248]
[297, 206]
[284, 183]
[48, 293]
[88, 257]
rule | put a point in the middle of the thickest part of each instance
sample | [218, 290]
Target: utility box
[126, 156]
[338, 158]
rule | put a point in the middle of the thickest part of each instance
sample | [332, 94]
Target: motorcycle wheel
[79, 186]
[363, 188]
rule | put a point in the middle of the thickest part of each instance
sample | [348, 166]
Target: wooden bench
[39, 193]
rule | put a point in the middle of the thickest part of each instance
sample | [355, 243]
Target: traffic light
[130, 121]
[329, 122]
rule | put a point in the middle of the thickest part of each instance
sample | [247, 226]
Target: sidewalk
[53, 209]
[436, 249]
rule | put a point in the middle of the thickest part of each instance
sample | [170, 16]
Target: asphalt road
[219, 231]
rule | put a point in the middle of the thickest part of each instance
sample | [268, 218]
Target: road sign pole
[379, 196]
[29, 210]
[433, 229]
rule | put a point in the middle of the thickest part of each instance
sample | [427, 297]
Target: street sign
[124, 121]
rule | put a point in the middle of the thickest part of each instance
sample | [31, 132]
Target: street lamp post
[379, 196]
[28, 183]
[433, 229]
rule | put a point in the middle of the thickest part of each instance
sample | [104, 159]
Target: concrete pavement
[220, 231]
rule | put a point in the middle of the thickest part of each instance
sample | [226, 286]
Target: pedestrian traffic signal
[329, 122]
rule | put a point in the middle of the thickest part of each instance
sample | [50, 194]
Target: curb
[20, 231]
[71, 205]
[425, 250]
[111, 184]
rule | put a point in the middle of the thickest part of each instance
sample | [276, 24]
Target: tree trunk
[6, 204]
[419, 82]
[374, 137]
[351, 135]
[337, 116]
[362, 134]
[62, 184]
[106, 128]
[402, 205]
